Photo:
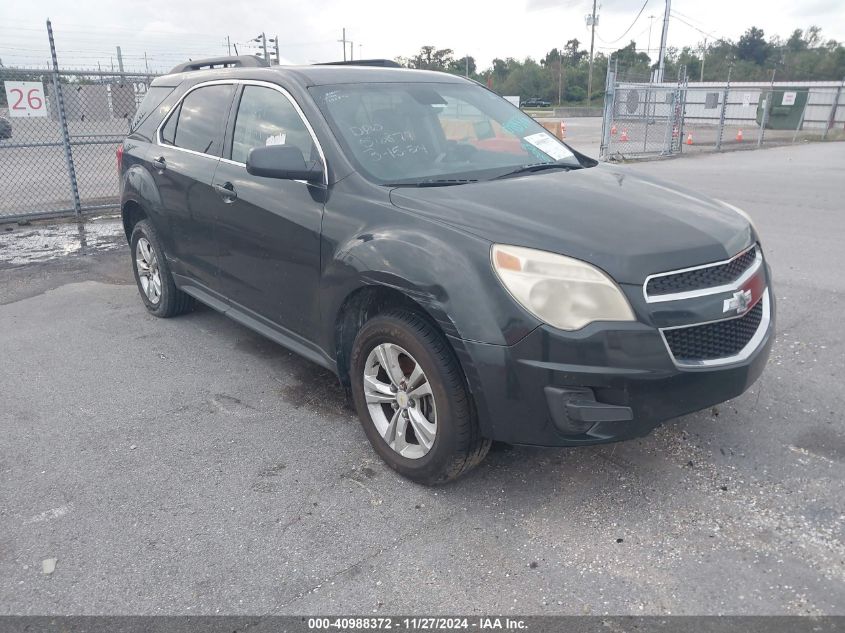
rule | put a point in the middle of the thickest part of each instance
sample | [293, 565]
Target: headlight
[563, 292]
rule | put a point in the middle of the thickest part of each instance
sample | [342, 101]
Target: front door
[268, 230]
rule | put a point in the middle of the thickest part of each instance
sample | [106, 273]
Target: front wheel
[412, 399]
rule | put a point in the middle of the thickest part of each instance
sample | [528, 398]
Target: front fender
[446, 271]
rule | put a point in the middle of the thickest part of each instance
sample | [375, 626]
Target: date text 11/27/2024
[416, 624]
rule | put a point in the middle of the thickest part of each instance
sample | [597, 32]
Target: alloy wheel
[400, 400]
[149, 273]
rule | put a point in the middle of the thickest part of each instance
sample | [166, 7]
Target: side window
[152, 100]
[201, 120]
[168, 132]
[267, 117]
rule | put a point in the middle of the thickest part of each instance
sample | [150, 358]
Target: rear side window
[267, 117]
[152, 101]
[201, 119]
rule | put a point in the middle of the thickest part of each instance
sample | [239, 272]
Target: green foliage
[803, 56]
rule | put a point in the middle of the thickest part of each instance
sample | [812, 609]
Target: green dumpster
[786, 110]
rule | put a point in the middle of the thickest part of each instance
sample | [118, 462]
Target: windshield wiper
[432, 183]
[526, 169]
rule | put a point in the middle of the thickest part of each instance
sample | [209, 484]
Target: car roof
[316, 75]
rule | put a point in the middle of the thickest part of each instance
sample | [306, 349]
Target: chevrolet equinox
[469, 277]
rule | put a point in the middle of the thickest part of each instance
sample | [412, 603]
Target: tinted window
[201, 119]
[152, 101]
[168, 132]
[267, 117]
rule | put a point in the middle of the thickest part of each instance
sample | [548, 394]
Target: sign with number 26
[25, 98]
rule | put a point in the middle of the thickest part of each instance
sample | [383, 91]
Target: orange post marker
[689, 139]
[563, 129]
[739, 136]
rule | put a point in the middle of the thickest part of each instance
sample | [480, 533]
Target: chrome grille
[701, 277]
[710, 341]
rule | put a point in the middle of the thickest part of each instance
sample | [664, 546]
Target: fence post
[60, 109]
[765, 119]
[831, 119]
[725, 95]
[609, 108]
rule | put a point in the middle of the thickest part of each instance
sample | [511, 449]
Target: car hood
[626, 224]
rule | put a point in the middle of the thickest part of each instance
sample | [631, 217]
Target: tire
[165, 300]
[410, 343]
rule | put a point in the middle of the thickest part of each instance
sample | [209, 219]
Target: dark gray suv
[468, 276]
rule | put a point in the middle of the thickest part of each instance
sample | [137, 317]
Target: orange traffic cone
[624, 136]
[689, 139]
[563, 129]
[739, 136]
[613, 130]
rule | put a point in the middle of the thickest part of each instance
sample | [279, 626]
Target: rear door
[269, 229]
[188, 148]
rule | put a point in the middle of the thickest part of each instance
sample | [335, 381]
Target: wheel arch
[370, 300]
[131, 212]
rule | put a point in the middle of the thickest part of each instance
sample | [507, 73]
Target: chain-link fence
[643, 119]
[59, 132]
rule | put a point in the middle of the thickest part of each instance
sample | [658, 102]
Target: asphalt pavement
[189, 466]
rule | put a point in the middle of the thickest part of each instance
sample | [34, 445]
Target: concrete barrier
[577, 111]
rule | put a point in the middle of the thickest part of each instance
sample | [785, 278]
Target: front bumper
[605, 383]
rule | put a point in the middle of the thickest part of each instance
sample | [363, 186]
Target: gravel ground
[189, 466]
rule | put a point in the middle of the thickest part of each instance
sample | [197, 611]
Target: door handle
[159, 163]
[226, 191]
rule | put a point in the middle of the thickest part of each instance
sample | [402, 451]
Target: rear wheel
[152, 274]
[412, 399]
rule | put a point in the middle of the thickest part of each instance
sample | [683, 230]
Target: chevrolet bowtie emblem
[739, 302]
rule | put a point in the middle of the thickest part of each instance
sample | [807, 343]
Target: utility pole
[650, 25]
[662, 59]
[703, 55]
[466, 66]
[351, 50]
[146, 64]
[276, 44]
[344, 43]
[229, 45]
[591, 20]
[119, 60]
[263, 40]
[560, 78]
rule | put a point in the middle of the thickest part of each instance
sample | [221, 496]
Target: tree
[429, 58]
[460, 66]
[796, 43]
[572, 54]
[752, 46]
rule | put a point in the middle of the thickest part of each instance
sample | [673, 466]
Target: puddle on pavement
[45, 242]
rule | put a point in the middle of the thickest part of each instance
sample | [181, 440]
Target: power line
[675, 15]
[630, 27]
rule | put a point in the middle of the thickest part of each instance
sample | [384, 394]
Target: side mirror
[281, 161]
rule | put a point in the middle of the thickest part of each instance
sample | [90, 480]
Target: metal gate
[59, 131]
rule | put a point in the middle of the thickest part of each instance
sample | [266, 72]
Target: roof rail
[240, 61]
[382, 63]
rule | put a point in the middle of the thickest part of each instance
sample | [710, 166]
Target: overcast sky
[169, 31]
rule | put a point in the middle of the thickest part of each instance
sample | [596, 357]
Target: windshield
[412, 133]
